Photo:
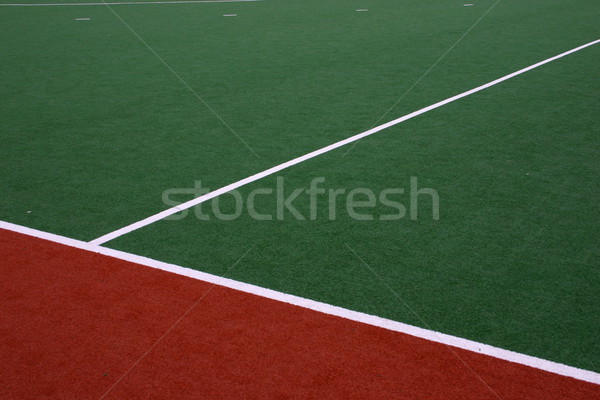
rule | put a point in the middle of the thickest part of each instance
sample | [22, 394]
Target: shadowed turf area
[95, 128]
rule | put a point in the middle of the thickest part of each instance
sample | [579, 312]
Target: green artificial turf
[512, 261]
[95, 128]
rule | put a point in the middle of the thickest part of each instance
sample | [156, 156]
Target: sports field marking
[426, 324]
[125, 3]
[523, 359]
[410, 89]
[180, 79]
[198, 200]
[185, 314]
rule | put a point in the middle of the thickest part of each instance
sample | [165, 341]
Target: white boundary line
[163, 214]
[507, 355]
[125, 3]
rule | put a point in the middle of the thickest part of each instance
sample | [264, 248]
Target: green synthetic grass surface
[95, 128]
[513, 259]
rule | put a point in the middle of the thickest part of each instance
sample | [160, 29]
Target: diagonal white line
[298, 160]
[166, 333]
[427, 334]
[429, 70]
[454, 353]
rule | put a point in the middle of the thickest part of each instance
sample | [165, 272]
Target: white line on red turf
[523, 359]
[277, 168]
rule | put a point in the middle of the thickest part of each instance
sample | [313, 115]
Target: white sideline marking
[82, 19]
[496, 352]
[163, 214]
[230, 15]
[125, 3]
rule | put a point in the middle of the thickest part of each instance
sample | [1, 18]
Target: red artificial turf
[79, 325]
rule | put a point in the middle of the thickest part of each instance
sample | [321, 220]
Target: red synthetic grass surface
[73, 323]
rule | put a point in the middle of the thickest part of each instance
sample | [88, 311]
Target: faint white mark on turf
[201, 199]
[82, 19]
[187, 85]
[467, 5]
[410, 89]
[362, 9]
[476, 347]
[125, 3]
[230, 15]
